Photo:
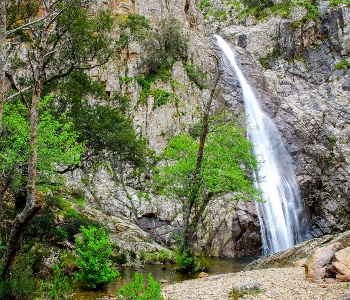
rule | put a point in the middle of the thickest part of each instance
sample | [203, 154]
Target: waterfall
[282, 216]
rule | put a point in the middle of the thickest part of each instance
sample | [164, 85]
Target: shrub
[58, 288]
[187, 262]
[135, 291]
[342, 65]
[21, 283]
[94, 251]
[164, 46]
[120, 259]
[261, 4]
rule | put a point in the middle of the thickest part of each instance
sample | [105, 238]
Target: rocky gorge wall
[293, 71]
[296, 73]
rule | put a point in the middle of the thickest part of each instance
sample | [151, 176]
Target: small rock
[247, 286]
[203, 274]
[342, 278]
[164, 281]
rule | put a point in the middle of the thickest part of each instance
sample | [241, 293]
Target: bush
[134, 290]
[58, 288]
[120, 259]
[94, 257]
[164, 46]
[187, 262]
[21, 284]
[261, 4]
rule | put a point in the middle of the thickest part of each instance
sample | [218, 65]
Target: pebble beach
[275, 283]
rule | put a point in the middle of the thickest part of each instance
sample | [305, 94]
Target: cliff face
[304, 90]
[292, 68]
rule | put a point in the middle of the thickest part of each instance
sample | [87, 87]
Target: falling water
[282, 217]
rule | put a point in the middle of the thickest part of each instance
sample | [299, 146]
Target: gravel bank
[278, 284]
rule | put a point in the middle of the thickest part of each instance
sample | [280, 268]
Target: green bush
[342, 65]
[94, 251]
[21, 284]
[261, 4]
[187, 262]
[135, 291]
[58, 288]
[164, 46]
[120, 259]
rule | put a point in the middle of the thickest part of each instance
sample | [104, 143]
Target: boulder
[320, 260]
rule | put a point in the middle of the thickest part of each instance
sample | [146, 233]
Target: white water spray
[282, 217]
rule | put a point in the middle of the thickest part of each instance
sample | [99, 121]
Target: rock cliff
[294, 66]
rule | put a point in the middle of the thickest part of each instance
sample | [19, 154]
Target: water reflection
[164, 272]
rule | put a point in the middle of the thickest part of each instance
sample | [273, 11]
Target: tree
[60, 38]
[214, 160]
[94, 257]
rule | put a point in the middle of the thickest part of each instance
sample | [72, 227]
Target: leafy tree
[164, 46]
[94, 251]
[102, 124]
[214, 160]
[59, 39]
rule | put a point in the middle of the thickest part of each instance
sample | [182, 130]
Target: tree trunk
[191, 219]
[2, 57]
[33, 205]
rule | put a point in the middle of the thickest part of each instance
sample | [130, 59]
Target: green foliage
[342, 65]
[57, 143]
[260, 4]
[94, 251]
[204, 4]
[336, 3]
[312, 7]
[225, 167]
[44, 226]
[135, 291]
[268, 61]
[163, 256]
[58, 288]
[195, 75]
[21, 283]
[103, 125]
[120, 259]
[133, 27]
[164, 46]
[187, 262]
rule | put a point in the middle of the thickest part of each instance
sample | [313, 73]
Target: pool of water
[163, 272]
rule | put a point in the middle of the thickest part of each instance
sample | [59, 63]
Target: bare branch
[24, 27]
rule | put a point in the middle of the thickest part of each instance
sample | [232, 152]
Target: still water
[165, 272]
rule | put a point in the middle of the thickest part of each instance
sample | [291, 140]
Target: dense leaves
[57, 143]
[226, 165]
[94, 251]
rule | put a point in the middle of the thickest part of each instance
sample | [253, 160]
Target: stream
[163, 272]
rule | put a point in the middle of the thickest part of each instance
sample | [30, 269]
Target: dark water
[218, 266]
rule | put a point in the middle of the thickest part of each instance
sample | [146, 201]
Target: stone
[346, 83]
[203, 274]
[245, 287]
[164, 281]
[342, 269]
[343, 256]
[320, 259]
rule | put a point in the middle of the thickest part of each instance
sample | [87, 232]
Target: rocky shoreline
[275, 283]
